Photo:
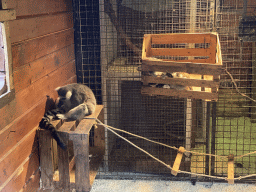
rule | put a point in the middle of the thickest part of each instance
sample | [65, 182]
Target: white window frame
[5, 16]
[6, 61]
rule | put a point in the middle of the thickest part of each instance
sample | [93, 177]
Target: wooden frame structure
[197, 54]
[66, 177]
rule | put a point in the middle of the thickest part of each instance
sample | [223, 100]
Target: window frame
[7, 15]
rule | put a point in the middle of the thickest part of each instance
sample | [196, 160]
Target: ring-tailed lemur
[163, 75]
[74, 102]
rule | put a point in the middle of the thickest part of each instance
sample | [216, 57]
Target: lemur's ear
[57, 89]
[68, 95]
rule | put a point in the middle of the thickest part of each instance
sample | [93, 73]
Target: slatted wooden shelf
[198, 55]
[77, 172]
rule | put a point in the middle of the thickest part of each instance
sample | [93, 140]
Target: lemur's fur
[74, 102]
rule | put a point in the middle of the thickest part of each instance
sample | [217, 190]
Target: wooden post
[81, 152]
[253, 89]
[63, 157]
[45, 143]
[99, 132]
[231, 169]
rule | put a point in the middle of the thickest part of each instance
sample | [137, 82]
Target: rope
[111, 129]
[171, 147]
[233, 81]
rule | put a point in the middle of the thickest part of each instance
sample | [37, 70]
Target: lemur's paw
[61, 116]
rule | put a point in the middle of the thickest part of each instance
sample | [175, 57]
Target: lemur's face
[64, 97]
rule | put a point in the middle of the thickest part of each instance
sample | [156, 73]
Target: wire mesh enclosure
[109, 37]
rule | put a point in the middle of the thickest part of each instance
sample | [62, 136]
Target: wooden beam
[173, 38]
[7, 15]
[231, 169]
[179, 93]
[176, 165]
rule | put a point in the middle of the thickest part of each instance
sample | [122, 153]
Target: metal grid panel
[235, 130]
[221, 128]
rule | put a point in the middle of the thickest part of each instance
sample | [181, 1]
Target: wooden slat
[99, 132]
[179, 93]
[231, 169]
[146, 47]
[176, 165]
[64, 164]
[38, 7]
[181, 52]
[20, 127]
[213, 49]
[86, 124]
[7, 15]
[21, 176]
[81, 152]
[46, 158]
[68, 126]
[30, 96]
[180, 38]
[204, 61]
[28, 74]
[34, 182]
[13, 159]
[24, 29]
[192, 68]
[180, 81]
[28, 51]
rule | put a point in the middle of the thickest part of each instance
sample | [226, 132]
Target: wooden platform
[77, 172]
[197, 55]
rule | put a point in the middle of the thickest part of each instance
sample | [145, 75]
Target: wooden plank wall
[43, 58]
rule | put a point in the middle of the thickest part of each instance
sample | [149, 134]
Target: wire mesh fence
[109, 43]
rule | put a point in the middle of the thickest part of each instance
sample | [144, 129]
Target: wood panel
[181, 38]
[24, 29]
[22, 174]
[185, 82]
[42, 45]
[30, 96]
[170, 67]
[179, 93]
[14, 132]
[28, 74]
[11, 161]
[181, 52]
[28, 51]
[33, 183]
[36, 7]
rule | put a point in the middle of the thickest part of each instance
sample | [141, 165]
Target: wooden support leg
[45, 143]
[81, 152]
[64, 178]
